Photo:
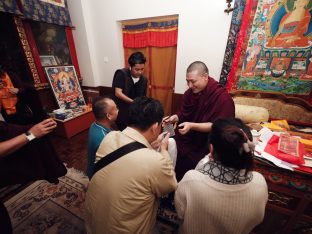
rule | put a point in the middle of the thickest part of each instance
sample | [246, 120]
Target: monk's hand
[184, 127]
[43, 128]
[156, 144]
[13, 90]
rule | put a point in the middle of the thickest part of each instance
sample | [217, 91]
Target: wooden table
[72, 126]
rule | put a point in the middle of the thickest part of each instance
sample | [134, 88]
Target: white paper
[265, 134]
[276, 161]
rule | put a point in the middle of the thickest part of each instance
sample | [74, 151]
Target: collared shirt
[122, 197]
[96, 134]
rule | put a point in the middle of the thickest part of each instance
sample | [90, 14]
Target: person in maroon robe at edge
[203, 103]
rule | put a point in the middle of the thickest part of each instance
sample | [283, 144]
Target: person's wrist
[30, 136]
[191, 125]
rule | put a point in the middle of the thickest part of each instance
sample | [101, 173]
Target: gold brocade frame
[28, 54]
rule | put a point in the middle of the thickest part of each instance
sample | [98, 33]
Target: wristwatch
[30, 136]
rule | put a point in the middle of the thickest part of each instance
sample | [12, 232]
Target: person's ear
[108, 116]
[154, 127]
[130, 68]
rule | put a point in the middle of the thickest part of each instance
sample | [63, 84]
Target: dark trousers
[5, 222]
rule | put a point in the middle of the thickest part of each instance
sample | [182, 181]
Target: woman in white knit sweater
[223, 195]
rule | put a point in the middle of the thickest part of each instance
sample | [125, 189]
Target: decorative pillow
[251, 114]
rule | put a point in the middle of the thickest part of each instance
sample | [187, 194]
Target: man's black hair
[144, 112]
[136, 58]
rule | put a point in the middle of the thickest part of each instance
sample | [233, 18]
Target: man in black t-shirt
[129, 83]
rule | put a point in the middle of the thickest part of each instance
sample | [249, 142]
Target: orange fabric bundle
[7, 100]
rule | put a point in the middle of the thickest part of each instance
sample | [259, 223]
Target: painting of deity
[279, 49]
[65, 86]
[288, 26]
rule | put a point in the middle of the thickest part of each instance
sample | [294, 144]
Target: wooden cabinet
[289, 208]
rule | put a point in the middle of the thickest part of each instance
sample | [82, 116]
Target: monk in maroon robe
[203, 103]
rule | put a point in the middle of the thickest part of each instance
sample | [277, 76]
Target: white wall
[203, 30]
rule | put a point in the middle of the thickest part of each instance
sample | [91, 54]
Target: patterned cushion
[251, 114]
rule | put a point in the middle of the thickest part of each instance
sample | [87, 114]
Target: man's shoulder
[96, 128]
[191, 176]
[114, 135]
[188, 92]
[123, 72]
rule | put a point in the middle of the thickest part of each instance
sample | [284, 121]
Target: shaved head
[198, 67]
[101, 106]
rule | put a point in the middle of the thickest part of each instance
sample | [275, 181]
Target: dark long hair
[228, 137]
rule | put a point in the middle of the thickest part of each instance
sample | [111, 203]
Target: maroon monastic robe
[211, 104]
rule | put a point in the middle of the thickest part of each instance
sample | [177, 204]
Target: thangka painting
[277, 55]
[65, 86]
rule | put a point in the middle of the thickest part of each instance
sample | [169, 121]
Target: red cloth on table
[272, 148]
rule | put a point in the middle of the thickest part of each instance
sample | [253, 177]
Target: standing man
[203, 103]
[122, 196]
[129, 83]
[105, 112]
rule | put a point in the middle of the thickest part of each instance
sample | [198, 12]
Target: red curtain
[157, 34]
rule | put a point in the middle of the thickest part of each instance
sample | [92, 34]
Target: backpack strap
[111, 157]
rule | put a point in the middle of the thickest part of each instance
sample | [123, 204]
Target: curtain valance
[10, 6]
[48, 11]
[158, 34]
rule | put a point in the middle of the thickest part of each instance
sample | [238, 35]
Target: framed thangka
[277, 53]
[65, 86]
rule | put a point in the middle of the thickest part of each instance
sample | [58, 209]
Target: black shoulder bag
[111, 157]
